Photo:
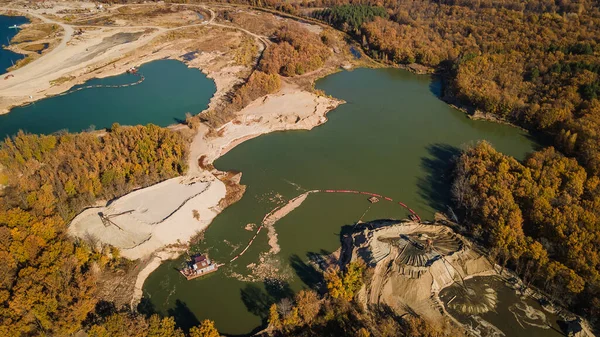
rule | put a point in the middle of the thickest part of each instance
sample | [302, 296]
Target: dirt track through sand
[31, 82]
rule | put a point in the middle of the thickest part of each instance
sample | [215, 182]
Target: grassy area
[247, 51]
[36, 32]
[36, 47]
[21, 63]
[61, 80]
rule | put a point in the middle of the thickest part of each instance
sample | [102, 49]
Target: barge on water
[199, 265]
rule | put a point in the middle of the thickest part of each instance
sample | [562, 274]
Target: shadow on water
[438, 166]
[257, 301]
[306, 272]
[437, 87]
[146, 307]
[179, 120]
[184, 317]
[278, 290]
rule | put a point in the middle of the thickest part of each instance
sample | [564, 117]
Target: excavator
[106, 219]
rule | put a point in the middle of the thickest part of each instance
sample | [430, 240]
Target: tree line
[350, 18]
[127, 324]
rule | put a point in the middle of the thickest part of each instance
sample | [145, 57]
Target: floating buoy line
[131, 71]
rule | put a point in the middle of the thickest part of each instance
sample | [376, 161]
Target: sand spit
[289, 109]
[277, 214]
[148, 219]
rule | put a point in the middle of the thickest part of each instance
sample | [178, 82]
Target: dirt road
[31, 82]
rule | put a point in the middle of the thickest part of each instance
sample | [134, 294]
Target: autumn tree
[308, 304]
[536, 216]
[344, 285]
[296, 52]
[205, 329]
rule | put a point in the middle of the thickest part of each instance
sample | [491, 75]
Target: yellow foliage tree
[206, 329]
[274, 318]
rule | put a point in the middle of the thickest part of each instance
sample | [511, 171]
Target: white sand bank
[156, 216]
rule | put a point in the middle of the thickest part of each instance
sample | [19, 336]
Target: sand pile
[413, 262]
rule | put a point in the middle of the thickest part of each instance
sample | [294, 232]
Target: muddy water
[393, 137]
[7, 57]
[510, 315]
[170, 89]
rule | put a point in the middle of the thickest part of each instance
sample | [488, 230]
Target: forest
[47, 279]
[350, 18]
[295, 52]
[540, 217]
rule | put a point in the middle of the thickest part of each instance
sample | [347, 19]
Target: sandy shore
[155, 262]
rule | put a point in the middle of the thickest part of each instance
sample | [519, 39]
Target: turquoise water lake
[7, 57]
[170, 89]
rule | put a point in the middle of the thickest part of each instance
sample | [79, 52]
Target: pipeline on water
[323, 191]
[142, 78]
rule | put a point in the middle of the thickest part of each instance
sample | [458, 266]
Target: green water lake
[394, 136]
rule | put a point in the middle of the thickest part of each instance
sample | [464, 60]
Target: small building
[198, 266]
[202, 264]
